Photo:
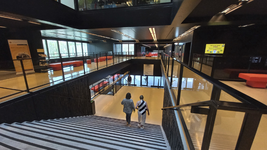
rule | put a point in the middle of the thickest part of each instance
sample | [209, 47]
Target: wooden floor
[110, 106]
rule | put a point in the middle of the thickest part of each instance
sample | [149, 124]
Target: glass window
[79, 49]
[69, 3]
[53, 49]
[63, 49]
[150, 81]
[137, 80]
[125, 49]
[85, 49]
[131, 49]
[72, 49]
[118, 49]
[157, 81]
[45, 48]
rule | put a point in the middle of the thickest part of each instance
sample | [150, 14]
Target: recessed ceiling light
[2, 27]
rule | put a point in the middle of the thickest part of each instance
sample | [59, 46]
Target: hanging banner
[20, 50]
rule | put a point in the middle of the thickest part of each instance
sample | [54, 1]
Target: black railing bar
[184, 133]
[11, 95]
[243, 107]
[204, 103]
[13, 89]
[233, 92]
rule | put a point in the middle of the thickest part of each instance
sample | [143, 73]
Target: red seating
[96, 88]
[254, 80]
[88, 61]
[99, 59]
[57, 66]
[154, 54]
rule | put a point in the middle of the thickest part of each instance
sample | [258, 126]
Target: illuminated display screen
[214, 48]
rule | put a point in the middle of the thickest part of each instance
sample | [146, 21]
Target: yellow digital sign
[214, 48]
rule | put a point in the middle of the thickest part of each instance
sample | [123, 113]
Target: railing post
[171, 73]
[24, 75]
[96, 62]
[168, 67]
[106, 59]
[113, 56]
[209, 127]
[180, 84]
[63, 75]
[83, 65]
[248, 131]
[215, 95]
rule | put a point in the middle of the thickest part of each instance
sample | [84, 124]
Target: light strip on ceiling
[167, 45]
[247, 25]
[146, 45]
[186, 33]
[34, 23]
[8, 17]
[234, 7]
[100, 36]
[116, 31]
[153, 34]
[2, 27]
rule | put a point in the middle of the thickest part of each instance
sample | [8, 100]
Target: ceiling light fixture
[146, 45]
[247, 25]
[9, 17]
[99, 36]
[116, 31]
[34, 23]
[167, 45]
[153, 34]
[2, 27]
[186, 33]
[234, 7]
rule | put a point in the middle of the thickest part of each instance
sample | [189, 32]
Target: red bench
[57, 66]
[254, 80]
[115, 76]
[96, 88]
[88, 61]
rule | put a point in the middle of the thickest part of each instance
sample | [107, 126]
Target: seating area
[57, 66]
[254, 80]
[97, 87]
[103, 58]
[152, 54]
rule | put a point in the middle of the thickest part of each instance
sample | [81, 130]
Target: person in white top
[142, 108]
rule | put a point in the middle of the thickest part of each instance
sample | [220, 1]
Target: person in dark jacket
[129, 80]
[128, 108]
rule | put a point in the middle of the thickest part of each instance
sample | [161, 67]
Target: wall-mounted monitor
[214, 48]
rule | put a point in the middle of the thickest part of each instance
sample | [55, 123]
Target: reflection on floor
[52, 77]
[110, 106]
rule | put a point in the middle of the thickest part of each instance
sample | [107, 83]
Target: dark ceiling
[190, 13]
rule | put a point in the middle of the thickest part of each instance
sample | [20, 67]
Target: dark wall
[249, 41]
[100, 46]
[34, 41]
[137, 67]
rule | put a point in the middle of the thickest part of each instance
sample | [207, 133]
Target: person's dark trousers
[128, 117]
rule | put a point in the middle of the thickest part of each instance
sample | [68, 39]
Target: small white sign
[149, 69]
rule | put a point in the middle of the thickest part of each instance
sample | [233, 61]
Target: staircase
[85, 132]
